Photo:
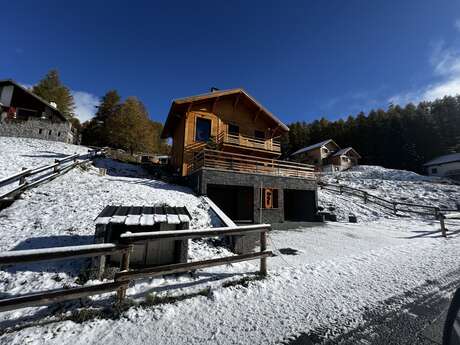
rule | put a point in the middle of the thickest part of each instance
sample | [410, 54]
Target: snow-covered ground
[17, 153]
[324, 279]
[397, 185]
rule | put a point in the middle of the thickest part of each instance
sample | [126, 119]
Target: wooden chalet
[227, 145]
[327, 156]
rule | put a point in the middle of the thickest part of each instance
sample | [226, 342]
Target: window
[203, 129]
[40, 131]
[24, 114]
[259, 134]
[269, 198]
[233, 129]
[49, 133]
[59, 134]
[434, 170]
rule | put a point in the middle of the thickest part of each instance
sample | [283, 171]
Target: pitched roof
[345, 151]
[454, 157]
[12, 82]
[173, 116]
[315, 146]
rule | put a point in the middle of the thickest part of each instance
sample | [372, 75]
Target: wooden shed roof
[178, 110]
[143, 215]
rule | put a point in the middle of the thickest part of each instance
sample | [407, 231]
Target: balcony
[226, 161]
[247, 142]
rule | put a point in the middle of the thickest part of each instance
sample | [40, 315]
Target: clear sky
[301, 59]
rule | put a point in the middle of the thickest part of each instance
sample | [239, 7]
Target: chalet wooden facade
[327, 156]
[227, 145]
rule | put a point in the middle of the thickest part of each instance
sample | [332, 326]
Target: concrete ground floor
[258, 198]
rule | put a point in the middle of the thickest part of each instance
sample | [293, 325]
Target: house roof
[345, 151]
[315, 146]
[14, 83]
[175, 112]
[454, 157]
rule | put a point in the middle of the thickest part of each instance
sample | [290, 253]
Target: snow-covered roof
[314, 146]
[345, 151]
[454, 157]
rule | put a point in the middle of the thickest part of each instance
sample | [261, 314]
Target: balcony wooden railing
[249, 142]
[220, 160]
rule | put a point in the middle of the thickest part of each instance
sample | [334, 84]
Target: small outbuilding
[444, 166]
[116, 220]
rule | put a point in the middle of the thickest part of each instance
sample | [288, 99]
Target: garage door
[299, 205]
[237, 202]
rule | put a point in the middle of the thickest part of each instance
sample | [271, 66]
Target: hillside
[323, 282]
[391, 184]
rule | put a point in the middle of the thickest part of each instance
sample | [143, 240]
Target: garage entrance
[237, 202]
[299, 205]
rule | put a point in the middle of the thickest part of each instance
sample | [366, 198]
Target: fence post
[443, 225]
[56, 168]
[124, 266]
[436, 212]
[22, 180]
[394, 208]
[365, 197]
[263, 247]
[341, 189]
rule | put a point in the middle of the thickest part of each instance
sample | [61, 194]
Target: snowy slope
[16, 153]
[398, 185]
[339, 271]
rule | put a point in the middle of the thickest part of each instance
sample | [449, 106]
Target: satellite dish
[451, 334]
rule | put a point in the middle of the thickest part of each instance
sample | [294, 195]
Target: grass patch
[244, 282]
[152, 299]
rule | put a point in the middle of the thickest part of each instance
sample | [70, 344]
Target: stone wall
[200, 179]
[38, 129]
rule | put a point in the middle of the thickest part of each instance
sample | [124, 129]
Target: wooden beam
[237, 99]
[59, 295]
[187, 234]
[257, 114]
[214, 105]
[178, 268]
[59, 253]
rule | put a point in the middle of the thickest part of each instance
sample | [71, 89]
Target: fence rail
[394, 206]
[125, 275]
[51, 171]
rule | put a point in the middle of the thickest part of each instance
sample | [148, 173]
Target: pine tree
[51, 89]
[110, 103]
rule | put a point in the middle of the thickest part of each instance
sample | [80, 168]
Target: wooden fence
[125, 276]
[394, 206]
[29, 178]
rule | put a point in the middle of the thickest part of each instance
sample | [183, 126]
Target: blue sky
[301, 59]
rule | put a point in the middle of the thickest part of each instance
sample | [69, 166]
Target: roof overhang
[179, 108]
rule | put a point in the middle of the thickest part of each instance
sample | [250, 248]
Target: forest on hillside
[399, 137]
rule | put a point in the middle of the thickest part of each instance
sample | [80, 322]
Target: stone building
[24, 114]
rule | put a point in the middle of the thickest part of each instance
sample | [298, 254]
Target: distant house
[24, 114]
[327, 156]
[445, 166]
[226, 145]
